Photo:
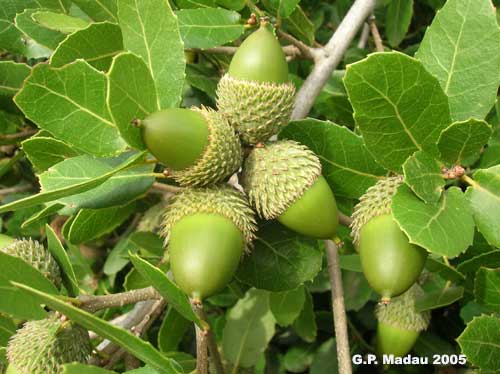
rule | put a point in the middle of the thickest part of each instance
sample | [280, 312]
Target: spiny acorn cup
[36, 255]
[283, 181]
[198, 145]
[255, 95]
[207, 231]
[399, 324]
[42, 347]
[391, 264]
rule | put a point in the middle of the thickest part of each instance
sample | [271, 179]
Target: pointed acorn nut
[36, 255]
[42, 347]
[283, 181]
[255, 95]
[391, 264]
[207, 231]
[198, 145]
[399, 324]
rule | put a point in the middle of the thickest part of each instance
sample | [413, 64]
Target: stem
[338, 308]
[94, 303]
[344, 220]
[305, 50]
[166, 187]
[201, 346]
[376, 35]
[469, 181]
[212, 344]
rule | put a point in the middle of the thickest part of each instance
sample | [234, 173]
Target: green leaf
[398, 110]
[150, 30]
[43, 36]
[439, 298]
[44, 152]
[281, 260]
[347, 165]
[423, 174]
[286, 306]
[298, 358]
[300, 26]
[250, 325]
[209, 27]
[74, 184]
[172, 330]
[283, 8]
[149, 242]
[445, 228]
[397, 20]
[17, 305]
[12, 76]
[59, 22]
[484, 199]
[462, 49]
[202, 78]
[77, 94]
[133, 344]
[231, 4]
[59, 253]
[167, 289]
[444, 271]
[191, 4]
[118, 257]
[489, 259]
[305, 324]
[90, 224]
[325, 360]
[359, 293]
[429, 344]
[7, 329]
[351, 263]
[131, 95]
[76, 368]
[461, 142]
[479, 342]
[88, 44]
[486, 290]
[102, 10]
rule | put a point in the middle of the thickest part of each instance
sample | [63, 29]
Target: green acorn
[283, 181]
[207, 231]
[42, 347]
[36, 255]
[198, 145]
[391, 264]
[399, 324]
[255, 94]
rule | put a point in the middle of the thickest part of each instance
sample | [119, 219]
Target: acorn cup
[198, 145]
[283, 181]
[391, 264]
[36, 255]
[399, 324]
[255, 95]
[207, 230]
[42, 347]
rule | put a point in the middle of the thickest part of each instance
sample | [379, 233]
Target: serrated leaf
[462, 49]
[133, 344]
[88, 44]
[489, 259]
[44, 152]
[250, 325]
[479, 342]
[72, 186]
[76, 96]
[398, 18]
[150, 30]
[59, 253]
[461, 142]
[166, 288]
[438, 299]
[399, 107]
[305, 324]
[486, 290]
[59, 22]
[347, 165]
[445, 228]
[131, 95]
[286, 306]
[43, 36]
[423, 174]
[12, 76]
[90, 224]
[484, 199]
[208, 27]
[444, 271]
[281, 260]
[102, 10]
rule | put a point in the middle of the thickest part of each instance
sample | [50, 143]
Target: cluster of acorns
[209, 224]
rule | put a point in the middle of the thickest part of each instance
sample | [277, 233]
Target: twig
[18, 135]
[344, 220]
[212, 344]
[288, 50]
[376, 35]
[339, 315]
[363, 39]
[166, 187]
[92, 303]
[332, 54]
[305, 50]
[201, 346]
[16, 189]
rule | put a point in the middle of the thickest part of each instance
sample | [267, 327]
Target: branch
[376, 35]
[338, 308]
[201, 345]
[304, 50]
[212, 344]
[18, 135]
[92, 303]
[332, 55]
